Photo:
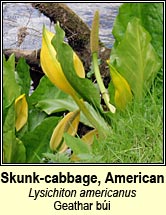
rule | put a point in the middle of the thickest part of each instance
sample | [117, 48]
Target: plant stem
[94, 44]
[103, 90]
[97, 124]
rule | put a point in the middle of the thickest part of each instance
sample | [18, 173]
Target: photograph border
[84, 164]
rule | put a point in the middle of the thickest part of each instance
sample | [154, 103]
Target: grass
[137, 133]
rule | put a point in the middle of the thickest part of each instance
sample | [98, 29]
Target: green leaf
[46, 90]
[50, 99]
[57, 105]
[9, 134]
[19, 156]
[135, 58]
[8, 143]
[76, 144]
[50, 106]
[84, 87]
[23, 76]
[14, 150]
[35, 117]
[151, 17]
[10, 88]
[37, 141]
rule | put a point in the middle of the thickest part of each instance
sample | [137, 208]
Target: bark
[77, 33]
[32, 56]
[78, 36]
[76, 30]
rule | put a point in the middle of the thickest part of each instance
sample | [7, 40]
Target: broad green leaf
[151, 17]
[46, 90]
[136, 59]
[9, 134]
[23, 76]
[77, 145]
[9, 122]
[37, 141]
[50, 106]
[8, 143]
[10, 88]
[19, 155]
[35, 117]
[50, 99]
[84, 87]
[57, 105]
[13, 149]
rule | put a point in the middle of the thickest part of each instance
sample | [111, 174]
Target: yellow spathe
[123, 94]
[68, 124]
[21, 110]
[52, 67]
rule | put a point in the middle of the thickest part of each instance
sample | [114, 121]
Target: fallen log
[78, 36]
[32, 56]
[33, 60]
[77, 32]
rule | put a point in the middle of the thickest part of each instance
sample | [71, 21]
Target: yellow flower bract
[21, 110]
[68, 124]
[123, 94]
[52, 67]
